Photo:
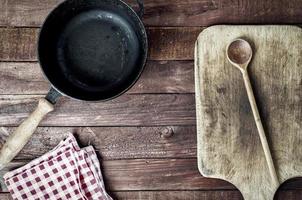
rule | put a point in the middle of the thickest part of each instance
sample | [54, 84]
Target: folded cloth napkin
[66, 172]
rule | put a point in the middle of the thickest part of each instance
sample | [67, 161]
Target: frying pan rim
[144, 40]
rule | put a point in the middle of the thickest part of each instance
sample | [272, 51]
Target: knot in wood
[167, 132]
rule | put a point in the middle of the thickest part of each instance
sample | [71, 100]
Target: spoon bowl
[239, 53]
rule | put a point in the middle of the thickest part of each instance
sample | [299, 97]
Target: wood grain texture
[135, 143]
[171, 12]
[200, 195]
[178, 195]
[157, 174]
[228, 143]
[158, 77]
[126, 110]
[115, 142]
[169, 195]
[149, 174]
[188, 195]
[20, 44]
[172, 43]
[5, 196]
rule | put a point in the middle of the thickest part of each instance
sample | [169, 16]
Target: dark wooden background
[146, 138]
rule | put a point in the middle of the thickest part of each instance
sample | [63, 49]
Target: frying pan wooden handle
[22, 134]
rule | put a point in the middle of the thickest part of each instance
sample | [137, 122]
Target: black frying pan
[91, 50]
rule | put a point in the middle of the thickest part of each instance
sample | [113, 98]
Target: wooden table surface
[147, 137]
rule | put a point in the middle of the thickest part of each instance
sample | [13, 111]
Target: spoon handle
[259, 125]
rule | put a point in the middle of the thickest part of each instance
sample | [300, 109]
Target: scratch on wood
[3, 135]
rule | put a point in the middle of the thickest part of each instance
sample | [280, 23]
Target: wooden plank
[188, 195]
[157, 174]
[170, 195]
[149, 174]
[172, 43]
[158, 77]
[5, 196]
[178, 195]
[20, 44]
[288, 194]
[201, 195]
[114, 142]
[171, 12]
[166, 77]
[126, 110]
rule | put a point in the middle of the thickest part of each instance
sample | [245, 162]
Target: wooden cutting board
[229, 147]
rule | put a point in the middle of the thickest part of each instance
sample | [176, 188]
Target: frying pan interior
[92, 49]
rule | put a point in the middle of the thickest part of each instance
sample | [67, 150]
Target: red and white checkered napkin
[66, 172]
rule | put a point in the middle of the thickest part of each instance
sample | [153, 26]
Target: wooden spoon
[239, 54]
